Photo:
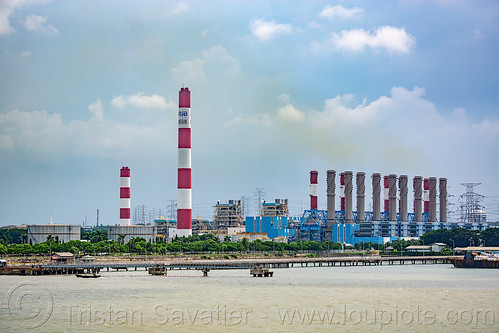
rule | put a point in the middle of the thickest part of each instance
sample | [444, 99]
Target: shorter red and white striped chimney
[342, 191]
[314, 189]
[386, 187]
[426, 195]
[125, 196]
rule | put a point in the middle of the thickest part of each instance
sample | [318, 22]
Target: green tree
[245, 244]
[490, 236]
[3, 249]
[13, 236]
[41, 248]
[121, 239]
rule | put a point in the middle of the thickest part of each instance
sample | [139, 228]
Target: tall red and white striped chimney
[184, 198]
[314, 190]
[342, 191]
[125, 196]
[386, 187]
[426, 195]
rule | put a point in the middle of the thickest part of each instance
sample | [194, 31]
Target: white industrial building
[149, 233]
[38, 233]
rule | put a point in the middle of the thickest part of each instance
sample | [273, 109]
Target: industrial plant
[394, 221]
[389, 218]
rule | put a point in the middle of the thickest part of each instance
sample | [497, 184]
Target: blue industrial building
[273, 226]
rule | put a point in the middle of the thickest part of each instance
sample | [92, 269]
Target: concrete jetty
[223, 264]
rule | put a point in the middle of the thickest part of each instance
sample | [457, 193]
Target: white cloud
[392, 131]
[5, 27]
[96, 109]
[7, 8]
[265, 30]
[140, 101]
[290, 113]
[214, 62]
[181, 7]
[21, 54]
[39, 23]
[40, 135]
[392, 39]
[314, 25]
[284, 98]
[338, 11]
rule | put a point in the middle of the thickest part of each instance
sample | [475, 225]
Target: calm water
[416, 298]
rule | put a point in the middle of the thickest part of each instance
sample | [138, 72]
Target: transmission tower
[172, 207]
[140, 215]
[244, 205]
[471, 210]
[260, 194]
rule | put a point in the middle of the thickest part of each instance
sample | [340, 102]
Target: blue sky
[279, 88]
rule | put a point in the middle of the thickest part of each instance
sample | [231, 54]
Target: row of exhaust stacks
[428, 186]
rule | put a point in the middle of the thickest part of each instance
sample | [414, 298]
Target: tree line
[13, 241]
[193, 244]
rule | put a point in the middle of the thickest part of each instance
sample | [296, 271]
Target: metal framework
[471, 209]
[313, 224]
[279, 208]
[228, 215]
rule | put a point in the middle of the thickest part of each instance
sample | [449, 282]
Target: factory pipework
[361, 193]
[313, 189]
[348, 197]
[184, 186]
[331, 188]
[376, 178]
[432, 185]
[418, 214]
[443, 200]
[392, 197]
[403, 197]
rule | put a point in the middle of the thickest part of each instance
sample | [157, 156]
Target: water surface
[417, 298]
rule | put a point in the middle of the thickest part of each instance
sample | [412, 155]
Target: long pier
[252, 263]
[225, 264]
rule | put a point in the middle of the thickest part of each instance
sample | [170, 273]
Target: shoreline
[45, 259]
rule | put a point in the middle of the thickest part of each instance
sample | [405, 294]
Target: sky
[278, 88]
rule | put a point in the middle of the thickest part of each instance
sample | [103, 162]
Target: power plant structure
[125, 196]
[40, 233]
[228, 215]
[274, 220]
[348, 226]
[125, 231]
[184, 198]
[388, 218]
[314, 221]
